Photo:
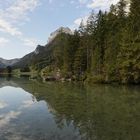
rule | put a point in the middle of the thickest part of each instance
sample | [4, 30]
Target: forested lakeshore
[104, 50]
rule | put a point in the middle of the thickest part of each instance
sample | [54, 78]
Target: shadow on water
[100, 112]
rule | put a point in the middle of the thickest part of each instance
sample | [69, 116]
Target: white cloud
[101, 4]
[94, 4]
[72, 2]
[15, 14]
[83, 1]
[3, 40]
[50, 1]
[6, 118]
[5, 3]
[29, 42]
[8, 28]
[2, 103]
[28, 103]
[78, 20]
[20, 9]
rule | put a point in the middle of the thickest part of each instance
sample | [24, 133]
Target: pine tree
[82, 28]
[129, 56]
[135, 18]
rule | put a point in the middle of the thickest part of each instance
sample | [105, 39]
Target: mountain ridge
[27, 59]
[4, 62]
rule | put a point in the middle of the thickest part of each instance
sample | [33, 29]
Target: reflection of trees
[101, 112]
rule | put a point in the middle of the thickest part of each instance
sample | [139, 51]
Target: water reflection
[33, 110]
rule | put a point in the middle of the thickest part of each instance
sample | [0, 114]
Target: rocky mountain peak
[65, 30]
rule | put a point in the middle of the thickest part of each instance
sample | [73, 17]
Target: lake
[33, 110]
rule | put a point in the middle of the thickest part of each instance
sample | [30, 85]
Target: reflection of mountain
[5, 81]
[100, 113]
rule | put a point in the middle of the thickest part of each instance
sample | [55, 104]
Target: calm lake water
[32, 110]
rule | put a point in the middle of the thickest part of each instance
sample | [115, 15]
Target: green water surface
[33, 110]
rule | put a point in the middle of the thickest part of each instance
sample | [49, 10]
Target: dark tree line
[106, 49]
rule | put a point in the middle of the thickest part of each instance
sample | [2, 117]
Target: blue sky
[26, 23]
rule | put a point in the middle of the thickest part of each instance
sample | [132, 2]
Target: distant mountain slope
[43, 53]
[40, 55]
[4, 63]
[30, 58]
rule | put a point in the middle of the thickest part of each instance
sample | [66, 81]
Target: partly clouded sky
[26, 23]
